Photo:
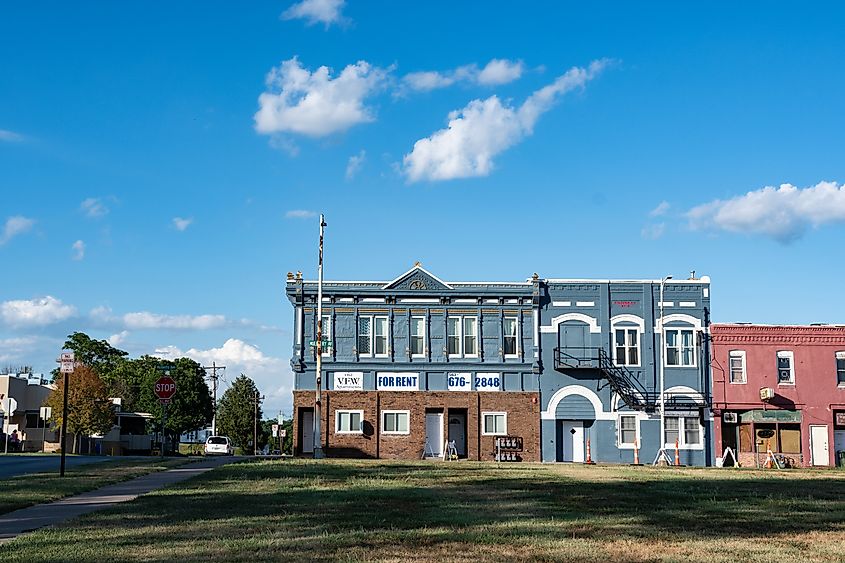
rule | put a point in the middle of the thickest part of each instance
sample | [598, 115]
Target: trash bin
[840, 458]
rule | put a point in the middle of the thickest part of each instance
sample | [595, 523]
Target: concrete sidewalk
[29, 519]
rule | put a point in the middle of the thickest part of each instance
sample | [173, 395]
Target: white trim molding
[563, 392]
[677, 318]
[591, 321]
[627, 318]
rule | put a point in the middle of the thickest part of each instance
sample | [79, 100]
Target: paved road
[11, 465]
[25, 520]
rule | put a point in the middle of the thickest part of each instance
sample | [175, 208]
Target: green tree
[99, 355]
[236, 413]
[265, 435]
[190, 408]
[89, 408]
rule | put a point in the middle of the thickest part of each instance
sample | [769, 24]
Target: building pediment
[418, 278]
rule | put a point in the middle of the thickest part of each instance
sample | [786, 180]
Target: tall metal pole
[318, 441]
[63, 441]
[214, 377]
[661, 453]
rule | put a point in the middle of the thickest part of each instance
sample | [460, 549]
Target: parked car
[218, 445]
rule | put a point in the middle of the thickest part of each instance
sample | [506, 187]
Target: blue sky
[161, 165]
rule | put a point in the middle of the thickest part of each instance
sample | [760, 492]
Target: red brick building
[780, 388]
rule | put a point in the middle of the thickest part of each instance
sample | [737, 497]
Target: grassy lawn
[36, 488]
[369, 510]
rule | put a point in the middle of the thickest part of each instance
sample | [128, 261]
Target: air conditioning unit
[767, 393]
[730, 417]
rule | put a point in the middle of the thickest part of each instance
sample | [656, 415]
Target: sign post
[44, 414]
[68, 363]
[164, 389]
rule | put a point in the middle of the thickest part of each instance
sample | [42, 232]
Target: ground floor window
[349, 422]
[685, 430]
[627, 430]
[395, 422]
[494, 423]
[780, 437]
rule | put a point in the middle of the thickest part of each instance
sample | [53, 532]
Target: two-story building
[547, 365]
[779, 389]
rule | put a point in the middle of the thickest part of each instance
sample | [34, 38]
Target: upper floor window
[736, 361]
[680, 347]
[462, 336]
[786, 367]
[373, 336]
[417, 337]
[627, 346]
[840, 368]
[381, 337]
[365, 336]
[510, 333]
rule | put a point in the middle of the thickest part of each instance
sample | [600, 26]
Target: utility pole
[213, 377]
[318, 440]
[256, 400]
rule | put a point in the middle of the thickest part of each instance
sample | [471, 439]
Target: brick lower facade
[522, 409]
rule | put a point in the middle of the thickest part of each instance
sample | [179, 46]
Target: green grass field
[36, 488]
[397, 511]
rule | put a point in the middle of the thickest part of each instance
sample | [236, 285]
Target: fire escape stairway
[625, 384]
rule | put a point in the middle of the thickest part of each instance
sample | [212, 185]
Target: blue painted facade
[564, 349]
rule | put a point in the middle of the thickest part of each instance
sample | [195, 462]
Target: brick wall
[523, 420]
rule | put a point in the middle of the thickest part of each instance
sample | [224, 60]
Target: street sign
[9, 406]
[165, 388]
[67, 357]
[282, 433]
[45, 413]
[326, 343]
[275, 430]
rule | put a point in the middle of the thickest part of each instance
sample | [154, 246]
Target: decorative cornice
[778, 339]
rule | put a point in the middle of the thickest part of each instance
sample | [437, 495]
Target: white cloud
[495, 72]
[653, 231]
[35, 312]
[783, 213]
[180, 224]
[10, 136]
[661, 209]
[272, 375]
[316, 11]
[300, 214]
[484, 129]
[78, 250]
[500, 71]
[355, 163]
[118, 339]
[146, 320]
[315, 104]
[15, 226]
[93, 207]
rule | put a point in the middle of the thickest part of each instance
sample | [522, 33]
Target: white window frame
[791, 356]
[682, 440]
[337, 415]
[411, 337]
[464, 336]
[386, 352]
[484, 416]
[679, 347]
[626, 445]
[461, 335]
[327, 335]
[395, 432]
[358, 336]
[626, 347]
[840, 355]
[740, 354]
[505, 336]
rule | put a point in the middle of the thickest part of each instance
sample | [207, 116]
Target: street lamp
[661, 453]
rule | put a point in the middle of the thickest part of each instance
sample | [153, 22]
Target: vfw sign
[348, 381]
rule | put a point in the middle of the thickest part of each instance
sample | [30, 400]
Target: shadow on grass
[322, 510]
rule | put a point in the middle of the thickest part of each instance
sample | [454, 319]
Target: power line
[214, 367]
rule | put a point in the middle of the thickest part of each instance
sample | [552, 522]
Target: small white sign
[275, 430]
[486, 381]
[45, 412]
[283, 432]
[67, 357]
[397, 381]
[349, 381]
[10, 405]
[459, 381]
[67, 367]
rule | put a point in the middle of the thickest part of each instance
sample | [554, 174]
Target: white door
[307, 432]
[573, 441]
[818, 445]
[434, 433]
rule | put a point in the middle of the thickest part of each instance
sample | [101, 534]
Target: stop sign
[165, 388]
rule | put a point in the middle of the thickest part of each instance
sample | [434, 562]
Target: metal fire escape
[621, 380]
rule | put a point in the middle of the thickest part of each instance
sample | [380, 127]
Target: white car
[218, 445]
